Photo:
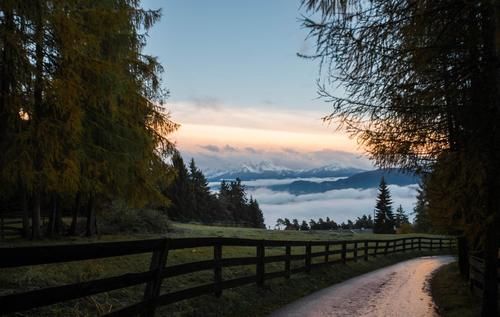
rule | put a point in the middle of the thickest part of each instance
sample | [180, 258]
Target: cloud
[206, 102]
[230, 156]
[229, 148]
[251, 150]
[211, 148]
[339, 205]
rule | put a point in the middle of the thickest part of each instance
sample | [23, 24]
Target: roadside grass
[242, 301]
[451, 293]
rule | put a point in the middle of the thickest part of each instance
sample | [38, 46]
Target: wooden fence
[351, 250]
[10, 225]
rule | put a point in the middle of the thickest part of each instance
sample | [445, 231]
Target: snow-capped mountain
[269, 170]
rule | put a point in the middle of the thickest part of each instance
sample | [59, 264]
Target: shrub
[123, 219]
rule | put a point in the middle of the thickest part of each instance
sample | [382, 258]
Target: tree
[256, 215]
[304, 226]
[422, 221]
[401, 217]
[180, 192]
[424, 75]
[384, 219]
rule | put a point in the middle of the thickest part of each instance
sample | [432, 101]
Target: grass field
[242, 301]
[452, 295]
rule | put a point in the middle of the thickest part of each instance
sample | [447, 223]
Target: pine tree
[401, 217]
[256, 214]
[422, 220]
[304, 226]
[384, 219]
[180, 192]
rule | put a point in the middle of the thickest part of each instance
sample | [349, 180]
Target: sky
[236, 84]
[242, 95]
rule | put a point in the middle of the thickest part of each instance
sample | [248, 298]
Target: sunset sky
[238, 88]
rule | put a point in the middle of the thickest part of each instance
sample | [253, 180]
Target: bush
[405, 228]
[122, 219]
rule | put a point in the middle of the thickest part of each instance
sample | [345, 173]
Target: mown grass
[451, 293]
[243, 301]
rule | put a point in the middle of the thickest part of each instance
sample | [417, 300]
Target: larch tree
[421, 85]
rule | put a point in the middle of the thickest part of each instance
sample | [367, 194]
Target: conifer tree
[384, 219]
[401, 217]
[304, 226]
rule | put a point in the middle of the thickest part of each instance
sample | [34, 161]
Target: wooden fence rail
[10, 225]
[351, 250]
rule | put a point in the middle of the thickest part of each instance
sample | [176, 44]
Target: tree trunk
[490, 290]
[35, 217]
[91, 219]
[26, 216]
[74, 215]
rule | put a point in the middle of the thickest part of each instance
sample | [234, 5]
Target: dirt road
[397, 290]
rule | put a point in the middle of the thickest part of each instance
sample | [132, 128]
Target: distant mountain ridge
[363, 180]
[268, 170]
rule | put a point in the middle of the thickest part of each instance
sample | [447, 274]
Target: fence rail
[10, 225]
[350, 250]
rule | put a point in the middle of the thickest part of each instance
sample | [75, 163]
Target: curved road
[397, 290]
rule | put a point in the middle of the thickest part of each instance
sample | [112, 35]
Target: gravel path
[397, 290]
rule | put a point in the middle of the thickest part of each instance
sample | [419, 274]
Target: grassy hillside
[242, 301]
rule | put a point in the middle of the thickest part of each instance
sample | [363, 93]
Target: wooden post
[260, 264]
[440, 243]
[217, 270]
[2, 233]
[344, 252]
[419, 244]
[327, 250]
[386, 247]
[376, 249]
[152, 290]
[404, 244]
[412, 246]
[355, 252]
[288, 251]
[308, 257]
[366, 250]
[431, 243]
[394, 244]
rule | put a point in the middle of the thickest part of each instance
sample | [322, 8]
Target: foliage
[192, 199]
[122, 219]
[421, 92]
[80, 106]
[384, 218]
[401, 218]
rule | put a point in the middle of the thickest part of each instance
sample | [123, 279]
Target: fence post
[440, 243]
[308, 257]
[344, 252]
[419, 244]
[386, 247]
[2, 234]
[404, 245]
[430, 244]
[217, 269]
[355, 254]
[152, 290]
[376, 249]
[327, 250]
[260, 264]
[288, 251]
[366, 250]
[394, 244]
[463, 256]
[412, 245]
